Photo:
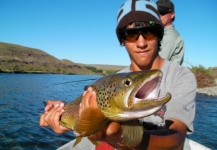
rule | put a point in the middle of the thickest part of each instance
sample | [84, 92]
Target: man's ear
[172, 15]
[122, 43]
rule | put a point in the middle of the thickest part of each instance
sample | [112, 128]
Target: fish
[121, 97]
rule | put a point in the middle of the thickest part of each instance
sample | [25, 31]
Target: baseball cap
[165, 6]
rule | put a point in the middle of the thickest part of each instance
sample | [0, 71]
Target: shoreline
[210, 91]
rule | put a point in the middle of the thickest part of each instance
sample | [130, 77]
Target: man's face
[143, 51]
[167, 18]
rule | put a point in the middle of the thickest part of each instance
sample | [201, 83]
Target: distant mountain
[20, 59]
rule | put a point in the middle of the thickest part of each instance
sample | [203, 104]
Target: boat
[197, 146]
[85, 144]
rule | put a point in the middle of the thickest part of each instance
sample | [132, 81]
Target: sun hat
[139, 11]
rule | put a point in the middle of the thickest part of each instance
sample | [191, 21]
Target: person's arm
[171, 138]
[178, 54]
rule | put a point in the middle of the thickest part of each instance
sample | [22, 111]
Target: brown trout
[121, 97]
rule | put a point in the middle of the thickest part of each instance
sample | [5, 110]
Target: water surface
[21, 97]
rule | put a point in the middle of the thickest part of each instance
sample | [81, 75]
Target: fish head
[128, 96]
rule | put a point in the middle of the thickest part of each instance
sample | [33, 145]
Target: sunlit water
[21, 103]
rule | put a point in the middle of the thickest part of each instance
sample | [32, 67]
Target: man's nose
[141, 41]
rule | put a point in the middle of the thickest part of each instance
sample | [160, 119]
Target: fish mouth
[144, 99]
[149, 89]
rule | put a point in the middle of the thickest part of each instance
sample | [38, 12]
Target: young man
[140, 30]
[172, 44]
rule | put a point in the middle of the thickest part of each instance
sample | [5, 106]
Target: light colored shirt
[172, 46]
[181, 83]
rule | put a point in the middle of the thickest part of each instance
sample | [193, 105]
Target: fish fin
[86, 87]
[78, 140]
[132, 133]
[90, 122]
[45, 103]
[95, 142]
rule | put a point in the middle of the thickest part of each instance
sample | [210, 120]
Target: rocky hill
[19, 59]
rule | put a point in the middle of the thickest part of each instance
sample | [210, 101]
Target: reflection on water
[21, 97]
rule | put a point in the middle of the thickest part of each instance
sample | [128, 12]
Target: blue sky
[84, 31]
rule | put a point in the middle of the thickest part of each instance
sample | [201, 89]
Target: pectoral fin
[132, 132]
[95, 142]
[78, 140]
[89, 122]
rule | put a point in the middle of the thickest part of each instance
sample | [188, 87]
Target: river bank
[210, 91]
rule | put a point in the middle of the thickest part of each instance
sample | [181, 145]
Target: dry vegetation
[205, 77]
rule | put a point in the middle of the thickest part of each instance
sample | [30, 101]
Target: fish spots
[103, 100]
[106, 95]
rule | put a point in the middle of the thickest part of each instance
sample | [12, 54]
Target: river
[21, 103]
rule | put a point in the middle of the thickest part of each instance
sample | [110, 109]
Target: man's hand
[51, 116]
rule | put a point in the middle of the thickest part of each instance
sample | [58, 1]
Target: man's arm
[170, 138]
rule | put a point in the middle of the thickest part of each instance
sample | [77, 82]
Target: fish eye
[127, 82]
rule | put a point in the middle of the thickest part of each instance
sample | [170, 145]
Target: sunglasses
[132, 34]
[162, 13]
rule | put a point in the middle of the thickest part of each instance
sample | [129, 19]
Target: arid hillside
[19, 59]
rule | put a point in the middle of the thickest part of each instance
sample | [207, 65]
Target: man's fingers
[42, 122]
[85, 102]
[58, 111]
[113, 128]
[50, 104]
[55, 121]
[85, 99]
[92, 100]
[52, 116]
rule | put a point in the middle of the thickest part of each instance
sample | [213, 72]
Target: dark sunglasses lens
[163, 13]
[149, 34]
[131, 35]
